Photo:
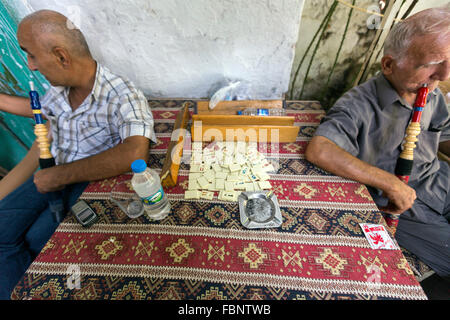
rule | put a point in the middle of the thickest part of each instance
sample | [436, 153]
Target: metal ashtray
[259, 210]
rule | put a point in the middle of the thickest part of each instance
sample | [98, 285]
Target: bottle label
[157, 197]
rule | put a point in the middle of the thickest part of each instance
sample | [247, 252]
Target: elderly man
[100, 123]
[361, 136]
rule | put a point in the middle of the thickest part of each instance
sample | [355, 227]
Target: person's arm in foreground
[16, 105]
[327, 155]
[109, 163]
[21, 172]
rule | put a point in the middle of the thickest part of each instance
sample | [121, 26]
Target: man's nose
[442, 72]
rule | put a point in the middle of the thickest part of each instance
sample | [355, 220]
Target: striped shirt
[112, 112]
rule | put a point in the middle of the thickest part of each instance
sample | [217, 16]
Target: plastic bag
[236, 90]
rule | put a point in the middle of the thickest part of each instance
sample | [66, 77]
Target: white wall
[180, 48]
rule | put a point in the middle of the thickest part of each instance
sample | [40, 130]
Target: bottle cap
[263, 112]
[138, 166]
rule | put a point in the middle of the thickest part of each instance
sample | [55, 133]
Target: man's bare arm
[109, 163]
[16, 105]
[21, 172]
[327, 155]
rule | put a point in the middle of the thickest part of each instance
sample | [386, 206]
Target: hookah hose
[405, 161]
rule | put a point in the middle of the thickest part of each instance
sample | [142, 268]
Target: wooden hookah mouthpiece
[405, 161]
[46, 159]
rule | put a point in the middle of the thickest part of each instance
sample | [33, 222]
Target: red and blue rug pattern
[201, 251]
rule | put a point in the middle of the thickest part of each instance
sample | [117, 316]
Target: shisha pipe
[46, 159]
[404, 164]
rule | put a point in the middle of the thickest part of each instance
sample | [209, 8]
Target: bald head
[52, 29]
[57, 49]
[434, 22]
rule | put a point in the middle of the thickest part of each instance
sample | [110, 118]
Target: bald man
[361, 136]
[100, 123]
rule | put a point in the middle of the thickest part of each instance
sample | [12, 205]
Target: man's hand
[327, 155]
[401, 198]
[48, 180]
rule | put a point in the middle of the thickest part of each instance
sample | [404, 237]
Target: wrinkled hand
[401, 197]
[48, 180]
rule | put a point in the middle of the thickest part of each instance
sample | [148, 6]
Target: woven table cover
[201, 250]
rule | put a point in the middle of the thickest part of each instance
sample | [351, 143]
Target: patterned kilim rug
[201, 250]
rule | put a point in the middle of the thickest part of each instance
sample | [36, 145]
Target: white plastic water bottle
[147, 185]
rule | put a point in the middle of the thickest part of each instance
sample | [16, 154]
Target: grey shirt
[370, 121]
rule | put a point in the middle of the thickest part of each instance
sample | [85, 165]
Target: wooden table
[201, 250]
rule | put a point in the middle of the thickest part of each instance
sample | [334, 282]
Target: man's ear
[62, 57]
[387, 64]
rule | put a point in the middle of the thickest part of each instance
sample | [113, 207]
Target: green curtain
[16, 133]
